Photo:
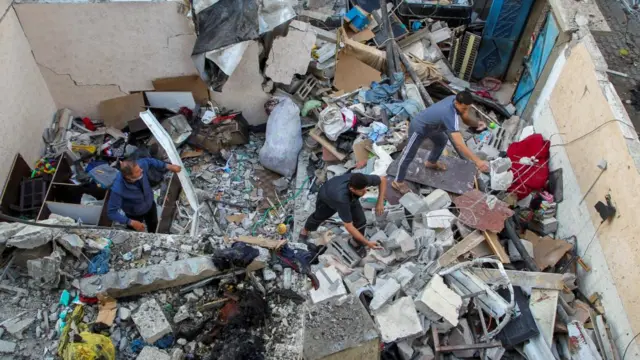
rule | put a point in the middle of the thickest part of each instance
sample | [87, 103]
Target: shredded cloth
[238, 255]
[100, 263]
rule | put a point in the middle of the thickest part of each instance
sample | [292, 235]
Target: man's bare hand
[174, 168]
[374, 245]
[483, 166]
[379, 209]
[137, 225]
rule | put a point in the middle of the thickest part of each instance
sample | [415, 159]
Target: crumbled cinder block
[151, 322]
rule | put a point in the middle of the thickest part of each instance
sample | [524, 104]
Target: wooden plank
[262, 242]
[461, 248]
[527, 279]
[543, 304]
[496, 247]
[11, 191]
[319, 137]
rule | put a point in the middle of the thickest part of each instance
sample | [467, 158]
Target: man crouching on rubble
[131, 192]
[342, 194]
[436, 122]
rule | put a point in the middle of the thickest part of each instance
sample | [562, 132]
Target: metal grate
[464, 54]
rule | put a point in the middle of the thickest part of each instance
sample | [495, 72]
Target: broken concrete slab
[117, 284]
[355, 282]
[384, 293]
[439, 299]
[343, 331]
[32, 236]
[331, 285]
[514, 255]
[17, 326]
[152, 353]
[438, 199]
[46, 271]
[414, 203]
[405, 350]
[399, 321]
[290, 55]
[7, 347]
[72, 243]
[7, 230]
[151, 322]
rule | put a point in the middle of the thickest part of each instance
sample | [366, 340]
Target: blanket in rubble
[528, 178]
[238, 255]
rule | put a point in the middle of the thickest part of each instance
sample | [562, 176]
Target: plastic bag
[335, 121]
[92, 347]
[284, 139]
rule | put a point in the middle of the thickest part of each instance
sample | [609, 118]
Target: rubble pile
[465, 265]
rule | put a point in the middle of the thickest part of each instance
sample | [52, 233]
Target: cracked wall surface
[110, 50]
[26, 106]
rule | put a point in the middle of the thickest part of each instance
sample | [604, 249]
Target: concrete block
[414, 203]
[7, 347]
[406, 241]
[355, 281]
[384, 294]
[425, 353]
[340, 247]
[390, 228]
[546, 226]
[151, 322]
[439, 299]
[331, 285]
[152, 353]
[370, 273]
[438, 200]
[384, 257]
[131, 282]
[405, 350]
[290, 55]
[399, 321]
[343, 331]
[405, 273]
[181, 315]
[379, 236]
[514, 255]
[439, 219]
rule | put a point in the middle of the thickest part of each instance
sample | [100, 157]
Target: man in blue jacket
[132, 193]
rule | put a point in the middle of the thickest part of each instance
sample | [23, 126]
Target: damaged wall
[26, 107]
[581, 113]
[111, 49]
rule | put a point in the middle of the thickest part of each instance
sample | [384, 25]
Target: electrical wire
[629, 344]
[592, 238]
[590, 132]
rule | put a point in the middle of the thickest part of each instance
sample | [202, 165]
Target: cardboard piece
[361, 150]
[352, 73]
[237, 218]
[362, 36]
[108, 308]
[172, 100]
[192, 83]
[547, 251]
[118, 111]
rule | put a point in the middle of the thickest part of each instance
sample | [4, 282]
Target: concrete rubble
[229, 279]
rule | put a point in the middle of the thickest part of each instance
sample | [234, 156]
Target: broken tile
[475, 212]
[399, 321]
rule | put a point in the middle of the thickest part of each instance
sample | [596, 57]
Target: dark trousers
[150, 218]
[324, 212]
[437, 136]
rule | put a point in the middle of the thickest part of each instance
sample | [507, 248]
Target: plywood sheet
[352, 73]
[458, 178]
[118, 111]
[192, 83]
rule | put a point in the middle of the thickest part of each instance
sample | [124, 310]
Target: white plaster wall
[26, 106]
[96, 51]
[575, 218]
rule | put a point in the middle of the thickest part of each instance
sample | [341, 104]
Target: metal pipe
[416, 80]
[515, 239]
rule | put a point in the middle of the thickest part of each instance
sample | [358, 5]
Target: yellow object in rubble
[92, 347]
[282, 229]
[88, 148]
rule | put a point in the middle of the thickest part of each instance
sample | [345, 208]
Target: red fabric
[528, 178]
[88, 124]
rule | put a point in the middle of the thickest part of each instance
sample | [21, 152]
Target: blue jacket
[129, 197]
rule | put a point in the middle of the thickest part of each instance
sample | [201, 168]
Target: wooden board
[352, 73]
[118, 111]
[317, 135]
[262, 242]
[543, 304]
[458, 178]
[496, 247]
[464, 246]
[192, 83]
[527, 279]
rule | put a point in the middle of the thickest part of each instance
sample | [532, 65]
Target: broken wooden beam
[496, 247]
[270, 244]
[464, 246]
[428, 101]
[131, 282]
[527, 279]
[317, 136]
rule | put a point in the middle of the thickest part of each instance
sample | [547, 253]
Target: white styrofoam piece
[172, 100]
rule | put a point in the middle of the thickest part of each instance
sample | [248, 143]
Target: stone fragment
[32, 236]
[414, 203]
[72, 243]
[385, 258]
[181, 315]
[405, 273]
[45, 271]
[438, 199]
[383, 294]
[379, 237]
[151, 322]
[287, 278]
[399, 321]
[268, 274]
[405, 350]
[290, 55]
[331, 285]
[355, 282]
[514, 255]
[123, 313]
[16, 326]
[7, 347]
[406, 241]
[439, 219]
[437, 300]
[177, 354]
[152, 353]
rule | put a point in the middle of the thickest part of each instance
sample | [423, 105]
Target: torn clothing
[133, 198]
[416, 138]
[336, 196]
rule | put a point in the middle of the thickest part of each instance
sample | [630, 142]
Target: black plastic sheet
[226, 22]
